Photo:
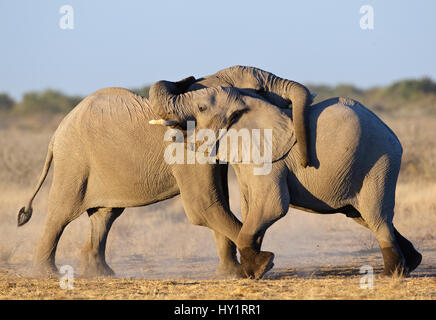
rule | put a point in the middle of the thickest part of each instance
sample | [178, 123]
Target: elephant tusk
[163, 122]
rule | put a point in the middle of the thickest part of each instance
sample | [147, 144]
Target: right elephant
[355, 161]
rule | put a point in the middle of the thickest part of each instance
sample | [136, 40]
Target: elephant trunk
[168, 101]
[299, 95]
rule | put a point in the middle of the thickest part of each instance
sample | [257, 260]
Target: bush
[144, 91]
[50, 101]
[405, 95]
[6, 102]
[412, 89]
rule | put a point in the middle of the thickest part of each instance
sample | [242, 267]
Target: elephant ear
[262, 128]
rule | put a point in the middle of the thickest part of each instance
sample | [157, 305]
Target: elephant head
[280, 92]
[219, 108]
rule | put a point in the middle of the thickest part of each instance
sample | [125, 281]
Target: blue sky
[134, 43]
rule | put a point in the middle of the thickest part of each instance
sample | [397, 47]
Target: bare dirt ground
[158, 254]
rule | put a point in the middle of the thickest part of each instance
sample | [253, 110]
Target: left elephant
[108, 157]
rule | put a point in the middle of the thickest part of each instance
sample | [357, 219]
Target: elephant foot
[45, 269]
[231, 270]
[411, 255]
[394, 265]
[96, 269]
[256, 264]
[94, 266]
[413, 261]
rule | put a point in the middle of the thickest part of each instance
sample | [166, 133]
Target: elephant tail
[25, 213]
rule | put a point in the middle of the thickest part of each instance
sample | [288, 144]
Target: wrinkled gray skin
[355, 164]
[280, 92]
[177, 108]
[108, 157]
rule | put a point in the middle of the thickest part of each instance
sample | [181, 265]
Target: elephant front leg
[262, 211]
[255, 263]
[205, 198]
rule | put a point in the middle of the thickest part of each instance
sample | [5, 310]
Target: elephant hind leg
[93, 261]
[394, 262]
[60, 214]
[44, 260]
[376, 202]
[380, 223]
[412, 256]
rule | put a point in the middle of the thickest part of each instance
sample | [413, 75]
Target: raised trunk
[300, 98]
[275, 89]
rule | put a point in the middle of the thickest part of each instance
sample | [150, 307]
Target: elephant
[355, 162]
[175, 109]
[106, 158]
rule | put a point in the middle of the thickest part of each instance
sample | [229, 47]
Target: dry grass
[287, 287]
[157, 254]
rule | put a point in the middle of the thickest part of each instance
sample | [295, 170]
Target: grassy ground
[325, 285]
[157, 254]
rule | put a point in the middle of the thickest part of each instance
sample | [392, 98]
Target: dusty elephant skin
[355, 161]
[108, 157]
[214, 107]
[280, 92]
